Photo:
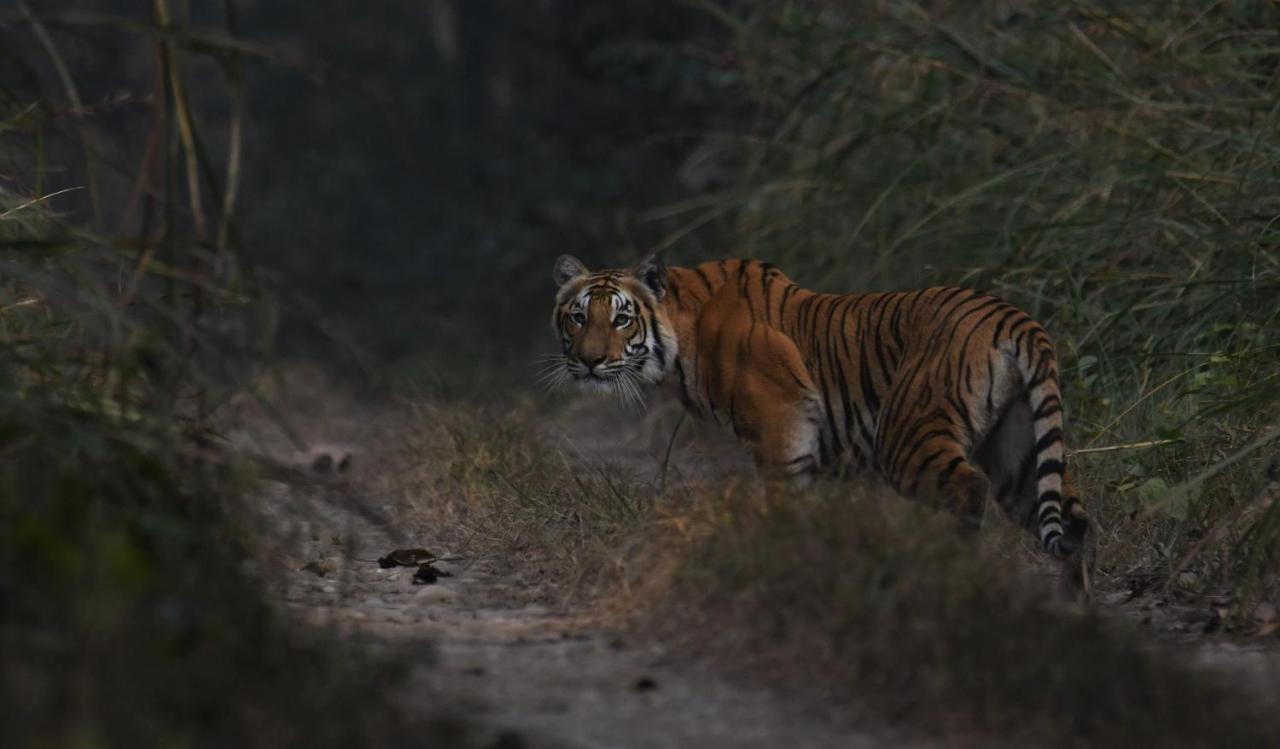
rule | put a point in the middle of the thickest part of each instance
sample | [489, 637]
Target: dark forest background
[194, 194]
[410, 169]
[453, 148]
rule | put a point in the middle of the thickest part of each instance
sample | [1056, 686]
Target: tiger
[951, 395]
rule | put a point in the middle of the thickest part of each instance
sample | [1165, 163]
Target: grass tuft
[881, 600]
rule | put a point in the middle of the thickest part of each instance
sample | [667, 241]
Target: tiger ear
[566, 269]
[652, 272]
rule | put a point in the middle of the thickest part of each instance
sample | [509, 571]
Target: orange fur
[952, 395]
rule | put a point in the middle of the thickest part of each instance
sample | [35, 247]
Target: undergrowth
[846, 590]
[881, 600]
[130, 612]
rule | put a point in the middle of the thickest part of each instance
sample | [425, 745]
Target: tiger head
[614, 332]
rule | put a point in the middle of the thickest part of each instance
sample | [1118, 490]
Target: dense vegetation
[1113, 169]
[130, 614]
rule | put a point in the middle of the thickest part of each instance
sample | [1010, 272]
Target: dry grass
[845, 590]
[487, 479]
[901, 615]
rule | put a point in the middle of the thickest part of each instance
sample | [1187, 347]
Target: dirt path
[530, 676]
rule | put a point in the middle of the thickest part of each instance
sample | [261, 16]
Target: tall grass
[128, 613]
[1110, 167]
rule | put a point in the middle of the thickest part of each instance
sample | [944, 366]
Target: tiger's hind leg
[956, 484]
[928, 460]
[1006, 454]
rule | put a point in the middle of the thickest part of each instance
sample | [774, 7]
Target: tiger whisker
[619, 387]
[550, 375]
[554, 364]
[554, 379]
[630, 381]
[636, 399]
[550, 372]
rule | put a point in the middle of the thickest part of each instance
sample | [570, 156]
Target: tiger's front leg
[787, 449]
[780, 419]
[759, 383]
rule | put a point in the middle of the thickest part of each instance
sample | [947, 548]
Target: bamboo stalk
[1117, 448]
[142, 183]
[186, 131]
[235, 71]
[77, 106]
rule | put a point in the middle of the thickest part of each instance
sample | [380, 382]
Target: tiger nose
[593, 362]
